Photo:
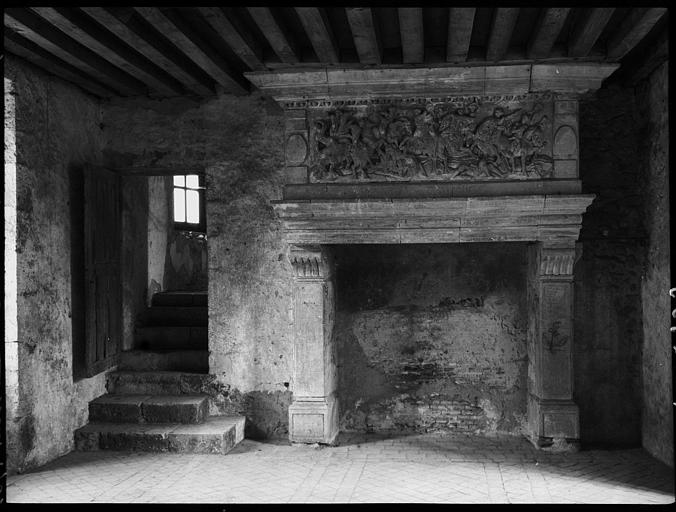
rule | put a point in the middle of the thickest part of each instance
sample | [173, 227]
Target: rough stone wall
[653, 115]
[608, 324]
[431, 337]
[238, 140]
[57, 130]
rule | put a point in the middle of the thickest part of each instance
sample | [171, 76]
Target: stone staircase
[155, 400]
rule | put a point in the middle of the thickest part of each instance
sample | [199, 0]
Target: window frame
[201, 226]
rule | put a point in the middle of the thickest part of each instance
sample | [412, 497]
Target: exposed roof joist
[92, 35]
[279, 40]
[319, 31]
[460, 24]
[241, 43]
[546, 32]
[412, 34]
[632, 30]
[31, 26]
[153, 49]
[193, 45]
[170, 51]
[365, 35]
[504, 21]
[588, 30]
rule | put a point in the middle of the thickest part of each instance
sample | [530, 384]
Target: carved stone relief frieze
[467, 138]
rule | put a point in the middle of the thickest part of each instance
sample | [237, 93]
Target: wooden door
[103, 303]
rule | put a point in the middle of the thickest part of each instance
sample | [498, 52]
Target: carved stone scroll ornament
[467, 139]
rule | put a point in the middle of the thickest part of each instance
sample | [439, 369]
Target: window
[189, 211]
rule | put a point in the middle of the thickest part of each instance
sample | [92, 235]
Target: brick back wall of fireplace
[431, 337]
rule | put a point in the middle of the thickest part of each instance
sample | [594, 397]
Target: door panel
[102, 268]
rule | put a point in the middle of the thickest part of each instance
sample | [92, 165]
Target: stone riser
[171, 338]
[155, 383]
[180, 299]
[196, 361]
[218, 435]
[149, 409]
[174, 315]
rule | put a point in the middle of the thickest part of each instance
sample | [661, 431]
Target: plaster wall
[57, 130]
[431, 337]
[238, 140]
[657, 426]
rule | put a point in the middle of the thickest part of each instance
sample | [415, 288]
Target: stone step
[196, 361]
[218, 434]
[174, 315]
[155, 383]
[149, 409]
[180, 298]
[171, 338]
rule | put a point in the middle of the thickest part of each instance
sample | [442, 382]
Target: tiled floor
[364, 468]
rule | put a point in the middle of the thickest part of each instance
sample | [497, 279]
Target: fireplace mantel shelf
[552, 218]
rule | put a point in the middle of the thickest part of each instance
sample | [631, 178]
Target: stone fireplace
[434, 156]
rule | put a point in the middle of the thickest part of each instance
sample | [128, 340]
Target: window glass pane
[191, 181]
[193, 206]
[179, 205]
[179, 181]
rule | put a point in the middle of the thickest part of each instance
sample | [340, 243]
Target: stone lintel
[555, 219]
[313, 420]
[314, 87]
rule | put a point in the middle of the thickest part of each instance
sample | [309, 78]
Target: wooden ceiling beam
[363, 27]
[412, 34]
[30, 51]
[547, 30]
[81, 28]
[587, 30]
[281, 43]
[632, 30]
[460, 25]
[502, 27]
[318, 29]
[151, 49]
[244, 46]
[31, 26]
[189, 42]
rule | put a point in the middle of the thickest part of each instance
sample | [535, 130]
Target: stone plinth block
[313, 421]
[553, 419]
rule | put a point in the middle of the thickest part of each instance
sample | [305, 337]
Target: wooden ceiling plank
[546, 32]
[460, 24]
[504, 20]
[38, 30]
[33, 53]
[317, 27]
[144, 45]
[412, 36]
[244, 46]
[282, 45]
[111, 50]
[193, 46]
[634, 28]
[587, 30]
[364, 34]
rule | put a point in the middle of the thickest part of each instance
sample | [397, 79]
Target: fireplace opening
[431, 337]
